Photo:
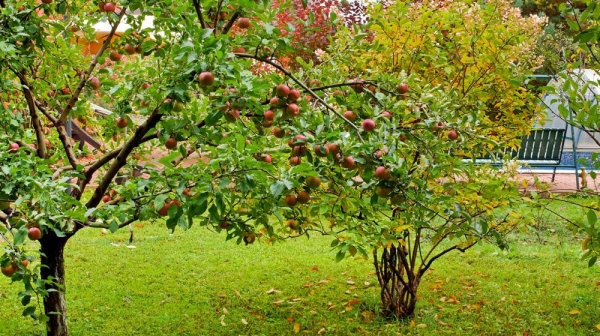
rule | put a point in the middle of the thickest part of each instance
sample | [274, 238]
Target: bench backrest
[541, 144]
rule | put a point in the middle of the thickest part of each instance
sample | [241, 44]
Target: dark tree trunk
[54, 268]
[398, 282]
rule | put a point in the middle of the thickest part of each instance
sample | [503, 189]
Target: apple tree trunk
[52, 248]
[398, 282]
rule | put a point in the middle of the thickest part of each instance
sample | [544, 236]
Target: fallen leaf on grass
[323, 281]
[350, 282]
[290, 319]
[225, 311]
[574, 312]
[296, 328]
[422, 325]
[322, 330]
[314, 268]
[439, 321]
[244, 322]
[308, 284]
[353, 302]
[223, 320]
[222, 295]
[238, 293]
[367, 284]
[277, 303]
[598, 326]
[273, 291]
[367, 316]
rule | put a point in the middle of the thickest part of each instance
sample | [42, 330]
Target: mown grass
[195, 283]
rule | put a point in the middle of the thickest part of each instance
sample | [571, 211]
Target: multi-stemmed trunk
[398, 282]
[52, 259]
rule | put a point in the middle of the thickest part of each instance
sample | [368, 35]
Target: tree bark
[398, 283]
[54, 269]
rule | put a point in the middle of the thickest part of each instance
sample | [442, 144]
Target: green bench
[540, 148]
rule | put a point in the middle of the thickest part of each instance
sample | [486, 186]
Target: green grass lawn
[195, 283]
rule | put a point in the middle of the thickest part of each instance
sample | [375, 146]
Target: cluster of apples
[285, 99]
[33, 233]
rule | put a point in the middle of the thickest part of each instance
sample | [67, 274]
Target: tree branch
[84, 77]
[230, 23]
[121, 158]
[35, 120]
[304, 87]
[198, 8]
[455, 247]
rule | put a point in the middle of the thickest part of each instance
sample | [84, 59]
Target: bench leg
[553, 174]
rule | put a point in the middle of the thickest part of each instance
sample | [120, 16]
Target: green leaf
[592, 261]
[277, 188]
[592, 217]
[20, 235]
[213, 117]
[340, 256]
[25, 300]
[29, 311]
[114, 226]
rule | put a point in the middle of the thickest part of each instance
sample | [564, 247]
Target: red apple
[74, 28]
[243, 23]
[106, 198]
[13, 147]
[65, 91]
[348, 162]
[333, 148]
[313, 182]
[249, 238]
[34, 233]
[290, 200]
[321, 151]
[402, 88]
[294, 95]
[274, 101]
[223, 224]
[295, 160]
[206, 78]
[303, 197]
[293, 224]
[47, 1]
[267, 158]
[9, 270]
[350, 115]
[382, 173]
[368, 125]
[109, 7]
[269, 115]
[145, 86]
[438, 126]
[357, 86]
[114, 55]
[292, 110]
[94, 82]
[122, 122]
[239, 50]
[386, 114]
[452, 135]
[278, 132]
[129, 49]
[171, 143]
[25, 262]
[232, 115]
[282, 91]
[299, 150]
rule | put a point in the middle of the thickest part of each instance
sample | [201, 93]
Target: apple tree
[371, 155]
[439, 82]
